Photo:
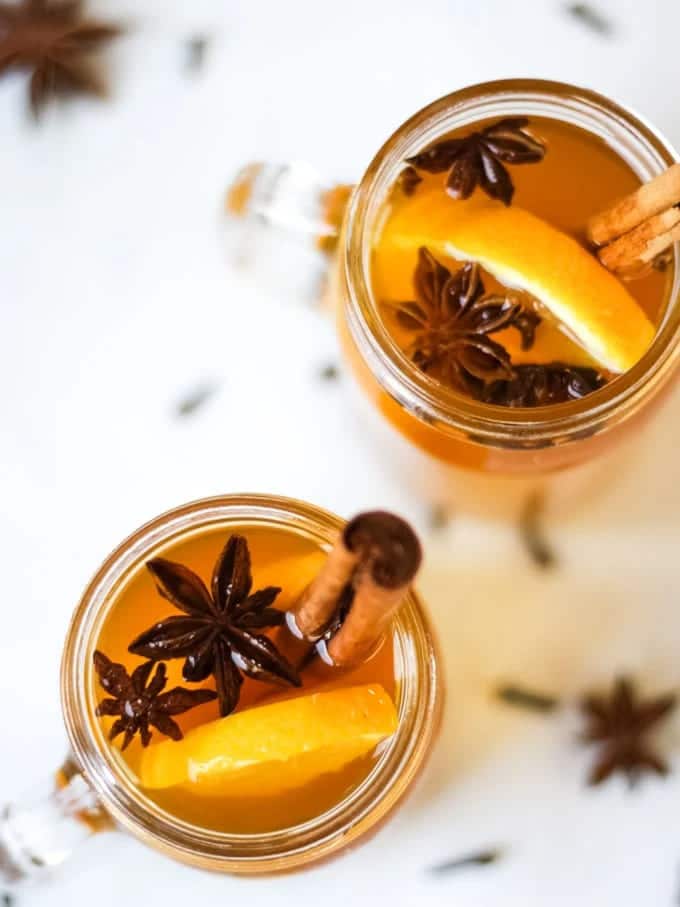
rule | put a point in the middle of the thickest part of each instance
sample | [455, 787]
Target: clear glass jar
[445, 431]
[97, 790]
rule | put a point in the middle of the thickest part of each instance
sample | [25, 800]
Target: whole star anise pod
[619, 724]
[51, 40]
[216, 633]
[453, 319]
[479, 159]
[139, 702]
[543, 385]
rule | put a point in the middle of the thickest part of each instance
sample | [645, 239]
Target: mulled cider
[506, 275]
[248, 678]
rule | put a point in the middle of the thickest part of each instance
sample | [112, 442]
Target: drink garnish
[453, 318]
[620, 723]
[479, 158]
[575, 292]
[348, 606]
[139, 703]
[270, 749]
[55, 43]
[408, 180]
[543, 385]
[217, 633]
[638, 228]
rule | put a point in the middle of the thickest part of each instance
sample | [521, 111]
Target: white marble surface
[116, 300]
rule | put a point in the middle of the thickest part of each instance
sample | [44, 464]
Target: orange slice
[264, 751]
[526, 253]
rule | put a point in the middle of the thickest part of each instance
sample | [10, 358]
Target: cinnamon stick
[374, 560]
[652, 198]
[641, 245]
[369, 616]
[315, 609]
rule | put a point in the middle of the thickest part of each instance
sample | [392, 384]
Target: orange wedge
[526, 253]
[264, 751]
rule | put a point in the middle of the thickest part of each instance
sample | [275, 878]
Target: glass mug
[452, 444]
[95, 790]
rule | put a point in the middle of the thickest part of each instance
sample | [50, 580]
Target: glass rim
[365, 807]
[428, 400]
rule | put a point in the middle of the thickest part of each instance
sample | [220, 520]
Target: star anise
[620, 723]
[139, 702]
[409, 180]
[453, 319]
[51, 40]
[479, 159]
[216, 635]
[543, 385]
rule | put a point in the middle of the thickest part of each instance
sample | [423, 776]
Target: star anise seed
[479, 158]
[54, 42]
[620, 723]
[216, 635]
[139, 703]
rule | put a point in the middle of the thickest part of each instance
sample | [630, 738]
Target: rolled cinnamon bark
[652, 198]
[367, 620]
[641, 245]
[312, 614]
[376, 559]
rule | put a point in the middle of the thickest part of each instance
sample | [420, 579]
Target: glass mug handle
[292, 198]
[39, 834]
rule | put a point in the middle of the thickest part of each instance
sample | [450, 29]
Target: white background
[117, 300]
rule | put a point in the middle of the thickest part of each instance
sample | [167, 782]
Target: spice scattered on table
[591, 18]
[196, 48]
[195, 399]
[55, 42]
[329, 372]
[481, 858]
[619, 724]
[532, 534]
[528, 699]
[438, 517]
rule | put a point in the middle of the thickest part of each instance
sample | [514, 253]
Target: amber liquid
[579, 176]
[280, 557]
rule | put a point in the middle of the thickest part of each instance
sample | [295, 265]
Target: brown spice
[481, 858]
[217, 634]
[634, 232]
[53, 41]
[526, 699]
[349, 605]
[138, 702]
[652, 198]
[479, 159]
[643, 244]
[408, 180]
[532, 533]
[619, 724]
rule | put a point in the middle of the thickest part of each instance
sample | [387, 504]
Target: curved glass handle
[38, 835]
[292, 197]
[288, 222]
